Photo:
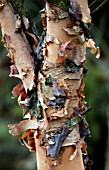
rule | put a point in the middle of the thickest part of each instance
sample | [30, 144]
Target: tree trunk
[51, 82]
[61, 44]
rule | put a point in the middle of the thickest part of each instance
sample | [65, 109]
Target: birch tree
[51, 68]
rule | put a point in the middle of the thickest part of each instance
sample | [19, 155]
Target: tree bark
[17, 48]
[52, 83]
[73, 82]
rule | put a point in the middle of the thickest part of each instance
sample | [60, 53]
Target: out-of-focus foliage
[12, 154]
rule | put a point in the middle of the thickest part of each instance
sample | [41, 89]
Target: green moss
[18, 6]
[21, 7]
[60, 3]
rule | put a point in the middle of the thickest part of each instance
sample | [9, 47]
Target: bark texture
[51, 69]
[17, 48]
[62, 45]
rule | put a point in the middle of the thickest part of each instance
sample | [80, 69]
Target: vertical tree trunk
[52, 81]
[63, 44]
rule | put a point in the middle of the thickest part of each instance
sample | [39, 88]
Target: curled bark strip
[91, 44]
[30, 142]
[73, 155]
[54, 148]
[24, 125]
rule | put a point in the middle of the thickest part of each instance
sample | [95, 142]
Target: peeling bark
[69, 47]
[51, 70]
[17, 48]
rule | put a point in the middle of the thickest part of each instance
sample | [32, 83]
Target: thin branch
[92, 3]
[100, 6]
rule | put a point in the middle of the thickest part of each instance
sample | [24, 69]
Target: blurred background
[13, 156]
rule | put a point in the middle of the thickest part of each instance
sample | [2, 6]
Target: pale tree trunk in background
[58, 82]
